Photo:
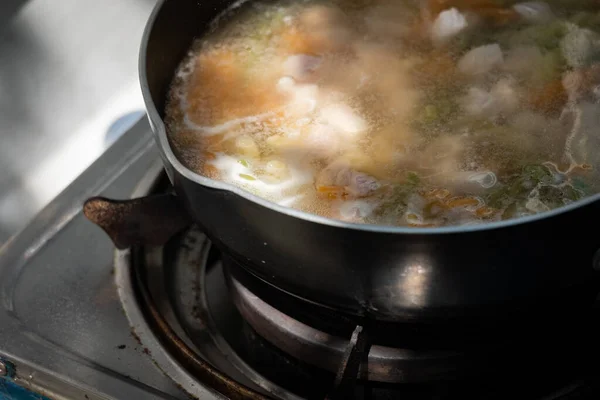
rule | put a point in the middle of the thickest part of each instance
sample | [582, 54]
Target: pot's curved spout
[150, 220]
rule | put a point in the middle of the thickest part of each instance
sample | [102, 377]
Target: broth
[408, 113]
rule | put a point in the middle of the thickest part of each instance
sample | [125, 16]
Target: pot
[382, 273]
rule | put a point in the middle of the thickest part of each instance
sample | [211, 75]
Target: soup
[406, 113]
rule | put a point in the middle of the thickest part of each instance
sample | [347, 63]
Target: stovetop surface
[61, 321]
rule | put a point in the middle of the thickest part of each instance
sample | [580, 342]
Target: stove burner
[318, 348]
[181, 301]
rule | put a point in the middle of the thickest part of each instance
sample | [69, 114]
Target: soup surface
[390, 112]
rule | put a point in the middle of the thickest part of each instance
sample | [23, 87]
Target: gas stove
[81, 320]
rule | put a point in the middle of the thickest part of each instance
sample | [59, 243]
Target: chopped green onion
[247, 177]
[412, 178]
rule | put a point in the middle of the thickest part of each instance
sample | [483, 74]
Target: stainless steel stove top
[62, 325]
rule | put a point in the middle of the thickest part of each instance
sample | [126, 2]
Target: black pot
[384, 273]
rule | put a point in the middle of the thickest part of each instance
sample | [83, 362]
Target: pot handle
[150, 220]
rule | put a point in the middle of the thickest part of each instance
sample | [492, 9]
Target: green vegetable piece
[244, 163]
[520, 186]
[247, 177]
[394, 203]
[571, 194]
[537, 174]
[412, 178]
[550, 69]
[431, 113]
[587, 20]
[546, 36]
[580, 184]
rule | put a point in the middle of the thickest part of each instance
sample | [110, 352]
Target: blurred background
[68, 89]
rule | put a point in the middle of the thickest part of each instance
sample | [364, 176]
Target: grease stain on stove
[136, 336]
[191, 396]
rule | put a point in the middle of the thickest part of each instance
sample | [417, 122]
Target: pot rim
[168, 155]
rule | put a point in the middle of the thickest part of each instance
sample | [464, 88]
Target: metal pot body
[384, 274]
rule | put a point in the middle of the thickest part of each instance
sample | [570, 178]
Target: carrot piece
[497, 15]
[462, 202]
[327, 189]
[438, 193]
[331, 192]
[550, 99]
[485, 212]
[295, 41]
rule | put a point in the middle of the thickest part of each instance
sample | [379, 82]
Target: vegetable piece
[437, 194]
[245, 145]
[498, 16]
[325, 29]
[302, 98]
[485, 212]
[505, 95]
[434, 115]
[412, 178]
[481, 60]
[523, 60]
[361, 185]
[580, 46]
[478, 102]
[520, 186]
[586, 19]
[502, 98]
[247, 177]
[467, 202]
[295, 41]
[534, 11]
[550, 99]
[448, 24]
[546, 36]
[581, 185]
[331, 192]
[355, 183]
[550, 69]
[489, 9]
[582, 83]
